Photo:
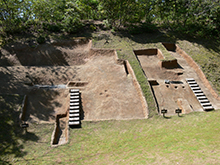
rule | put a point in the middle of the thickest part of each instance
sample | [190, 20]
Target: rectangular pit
[169, 46]
[148, 52]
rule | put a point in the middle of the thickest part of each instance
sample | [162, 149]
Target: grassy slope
[192, 139]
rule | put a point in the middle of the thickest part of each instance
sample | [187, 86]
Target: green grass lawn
[191, 139]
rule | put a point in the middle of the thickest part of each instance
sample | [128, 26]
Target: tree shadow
[47, 54]
[167, 117]
[11, 132]
[170, 37]
[57, 53]
[40, 55]
[41, 104]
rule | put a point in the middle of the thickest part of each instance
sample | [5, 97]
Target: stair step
[74, 107]
[74, 94]
[74, 97]
[74, 111]
[190, 79]
[73, 118]
[192, 82]
[74, 123]
[204, 101]
[195, 88]
[206, 104]
[73, 114]
[199, 94]
[202, 97]
[74, 90]
[74, 104]
[74, 100]
[197, 91]
[193, 85]
[208, 108]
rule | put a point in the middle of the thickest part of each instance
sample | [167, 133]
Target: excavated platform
[109, 91]
[178, 93]
[45, 74]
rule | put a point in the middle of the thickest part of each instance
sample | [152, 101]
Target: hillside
[153, 140]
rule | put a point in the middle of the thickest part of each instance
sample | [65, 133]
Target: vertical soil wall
[160, 55]
[146, 52]
[169, 64]
[23, 109]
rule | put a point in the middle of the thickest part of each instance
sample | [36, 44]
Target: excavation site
[65, 83]
[178, 83]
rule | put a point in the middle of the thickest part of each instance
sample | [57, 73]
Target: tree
[120, 12]
[11, 14]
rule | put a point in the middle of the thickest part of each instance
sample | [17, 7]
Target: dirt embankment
[22, 66]
[109, 93]
[65, 53]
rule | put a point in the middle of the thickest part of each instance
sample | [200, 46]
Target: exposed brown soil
[199, 72]
[109, 92]
[44, 105]
[65, 53]
[173, 96]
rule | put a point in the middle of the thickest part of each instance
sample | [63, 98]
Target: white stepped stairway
[201, 97]
[74, 111]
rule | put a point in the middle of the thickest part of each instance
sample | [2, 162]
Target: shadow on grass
[167, 117]
[12, 136]
[41, 104]
[171, 36]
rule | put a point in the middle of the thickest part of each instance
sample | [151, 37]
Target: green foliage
[194, 17]
[120, 12]
[52, 27]
[92, 27]
[41, 39]
[107, 24]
